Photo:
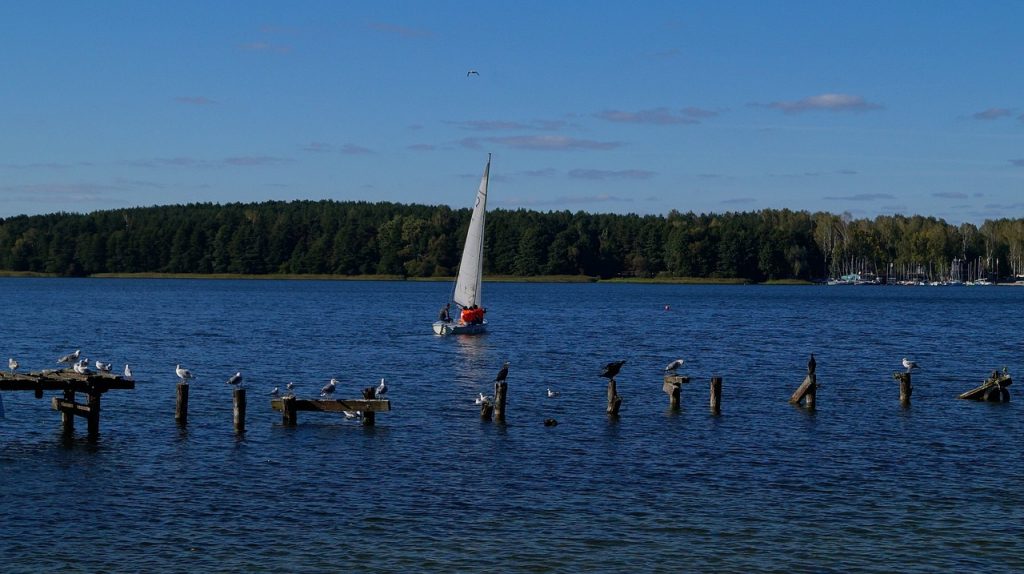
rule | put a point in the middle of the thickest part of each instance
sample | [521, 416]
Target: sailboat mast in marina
[467, 294]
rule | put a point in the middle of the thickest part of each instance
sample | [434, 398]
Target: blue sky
[868, 107]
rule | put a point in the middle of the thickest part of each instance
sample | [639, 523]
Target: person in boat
[444, 315]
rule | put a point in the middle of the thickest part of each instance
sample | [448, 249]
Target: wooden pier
[290, 406]
[93, 385]
[993, 390]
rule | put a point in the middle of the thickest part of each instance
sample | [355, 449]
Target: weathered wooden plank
[70, 407]
[335, 405]
[61, 380]
[675, 379]
[804, 390]
[997, 381]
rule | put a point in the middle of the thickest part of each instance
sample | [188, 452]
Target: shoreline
[487, 278]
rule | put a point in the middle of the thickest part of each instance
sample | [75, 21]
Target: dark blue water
[860, 485]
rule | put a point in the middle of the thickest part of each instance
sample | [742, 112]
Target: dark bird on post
[502, 374]
[811, 365]
[612, 369]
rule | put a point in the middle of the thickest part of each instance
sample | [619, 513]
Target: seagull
[290, 388]
[553, 394]
[472, 73]
[275, 392]
[482, 399]
[502, 374]
[13, 365]
[812, 364]
[82, 367]
[671, 368]
[183, 374]
[910, 365]
[612, 369]
[70, 357]
[353, 414]
[328, 389]
[127, 371]
[105, 367]
[381, 389]
[236, 379]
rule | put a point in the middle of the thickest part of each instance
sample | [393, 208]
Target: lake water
[860, 485]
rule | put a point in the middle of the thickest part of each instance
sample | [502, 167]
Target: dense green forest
[360, 238]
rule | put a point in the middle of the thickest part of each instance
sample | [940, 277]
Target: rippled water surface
[860, 485]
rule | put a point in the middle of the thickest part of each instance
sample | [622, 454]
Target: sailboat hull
[452, 328]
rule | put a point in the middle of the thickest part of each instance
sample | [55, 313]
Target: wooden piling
[369, 417]
[500, 400]
[672, 385]
[93, 418]
[288, 411]
[806, 391]
[238, 401]
[67, 418]
[716, 395]
[181, 406]
[905, 387]
[486, 410]
[614, 400]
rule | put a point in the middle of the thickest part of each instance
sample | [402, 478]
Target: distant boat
[467, 294]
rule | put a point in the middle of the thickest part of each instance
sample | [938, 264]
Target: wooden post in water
[905, 387]
[500, 400]
[93, 420]
[716, 395]
[806, 391]
[673, 387]
[288, 411]
[369, 417]
[614, 400]
[67, 418]
[486, 410]
[238, 400]
[181, 407]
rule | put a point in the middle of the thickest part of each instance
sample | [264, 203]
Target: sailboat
[467, 293]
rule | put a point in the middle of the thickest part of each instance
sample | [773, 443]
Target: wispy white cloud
[353, 149]
[1017, 162]
[191, 162]
[655, 116]
[543, 143]
[195, 100]
[47, 166]
[402, 31]
[824, 102]
[860, 197]
[255, 160]
[265, 47]
[950, 195]
[422, 147]
[317, 147]
[501, 125]
[992, 114]
[607, 174]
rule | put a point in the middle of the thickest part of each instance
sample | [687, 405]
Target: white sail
[471, 269]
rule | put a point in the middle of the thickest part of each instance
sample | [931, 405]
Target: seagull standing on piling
[70, 358]
[105, 367]
[612, 369]
[290, 389]
[502, 374]
[13, 365]
[235, 380]
[183, 374]
[328, 389]
[674, 365]
[275, 392]
[82, 367]
[127, 371]
[482, 399]
[382, 388]
[910, 365]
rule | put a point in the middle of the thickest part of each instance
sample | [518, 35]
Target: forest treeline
[363, 238]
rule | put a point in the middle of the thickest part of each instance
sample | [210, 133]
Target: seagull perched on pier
[502, 374]
[70, 358]
[552, 394]
[482, 399]
[290, 389]
[328, 389]
[105, 367]
[236, 379]
[183, 374]
[127, 371]
[910, 365]
[275, 392]
[612, 369]
[381, 389]
[82, 367]
[13, 365]
[674, 365]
